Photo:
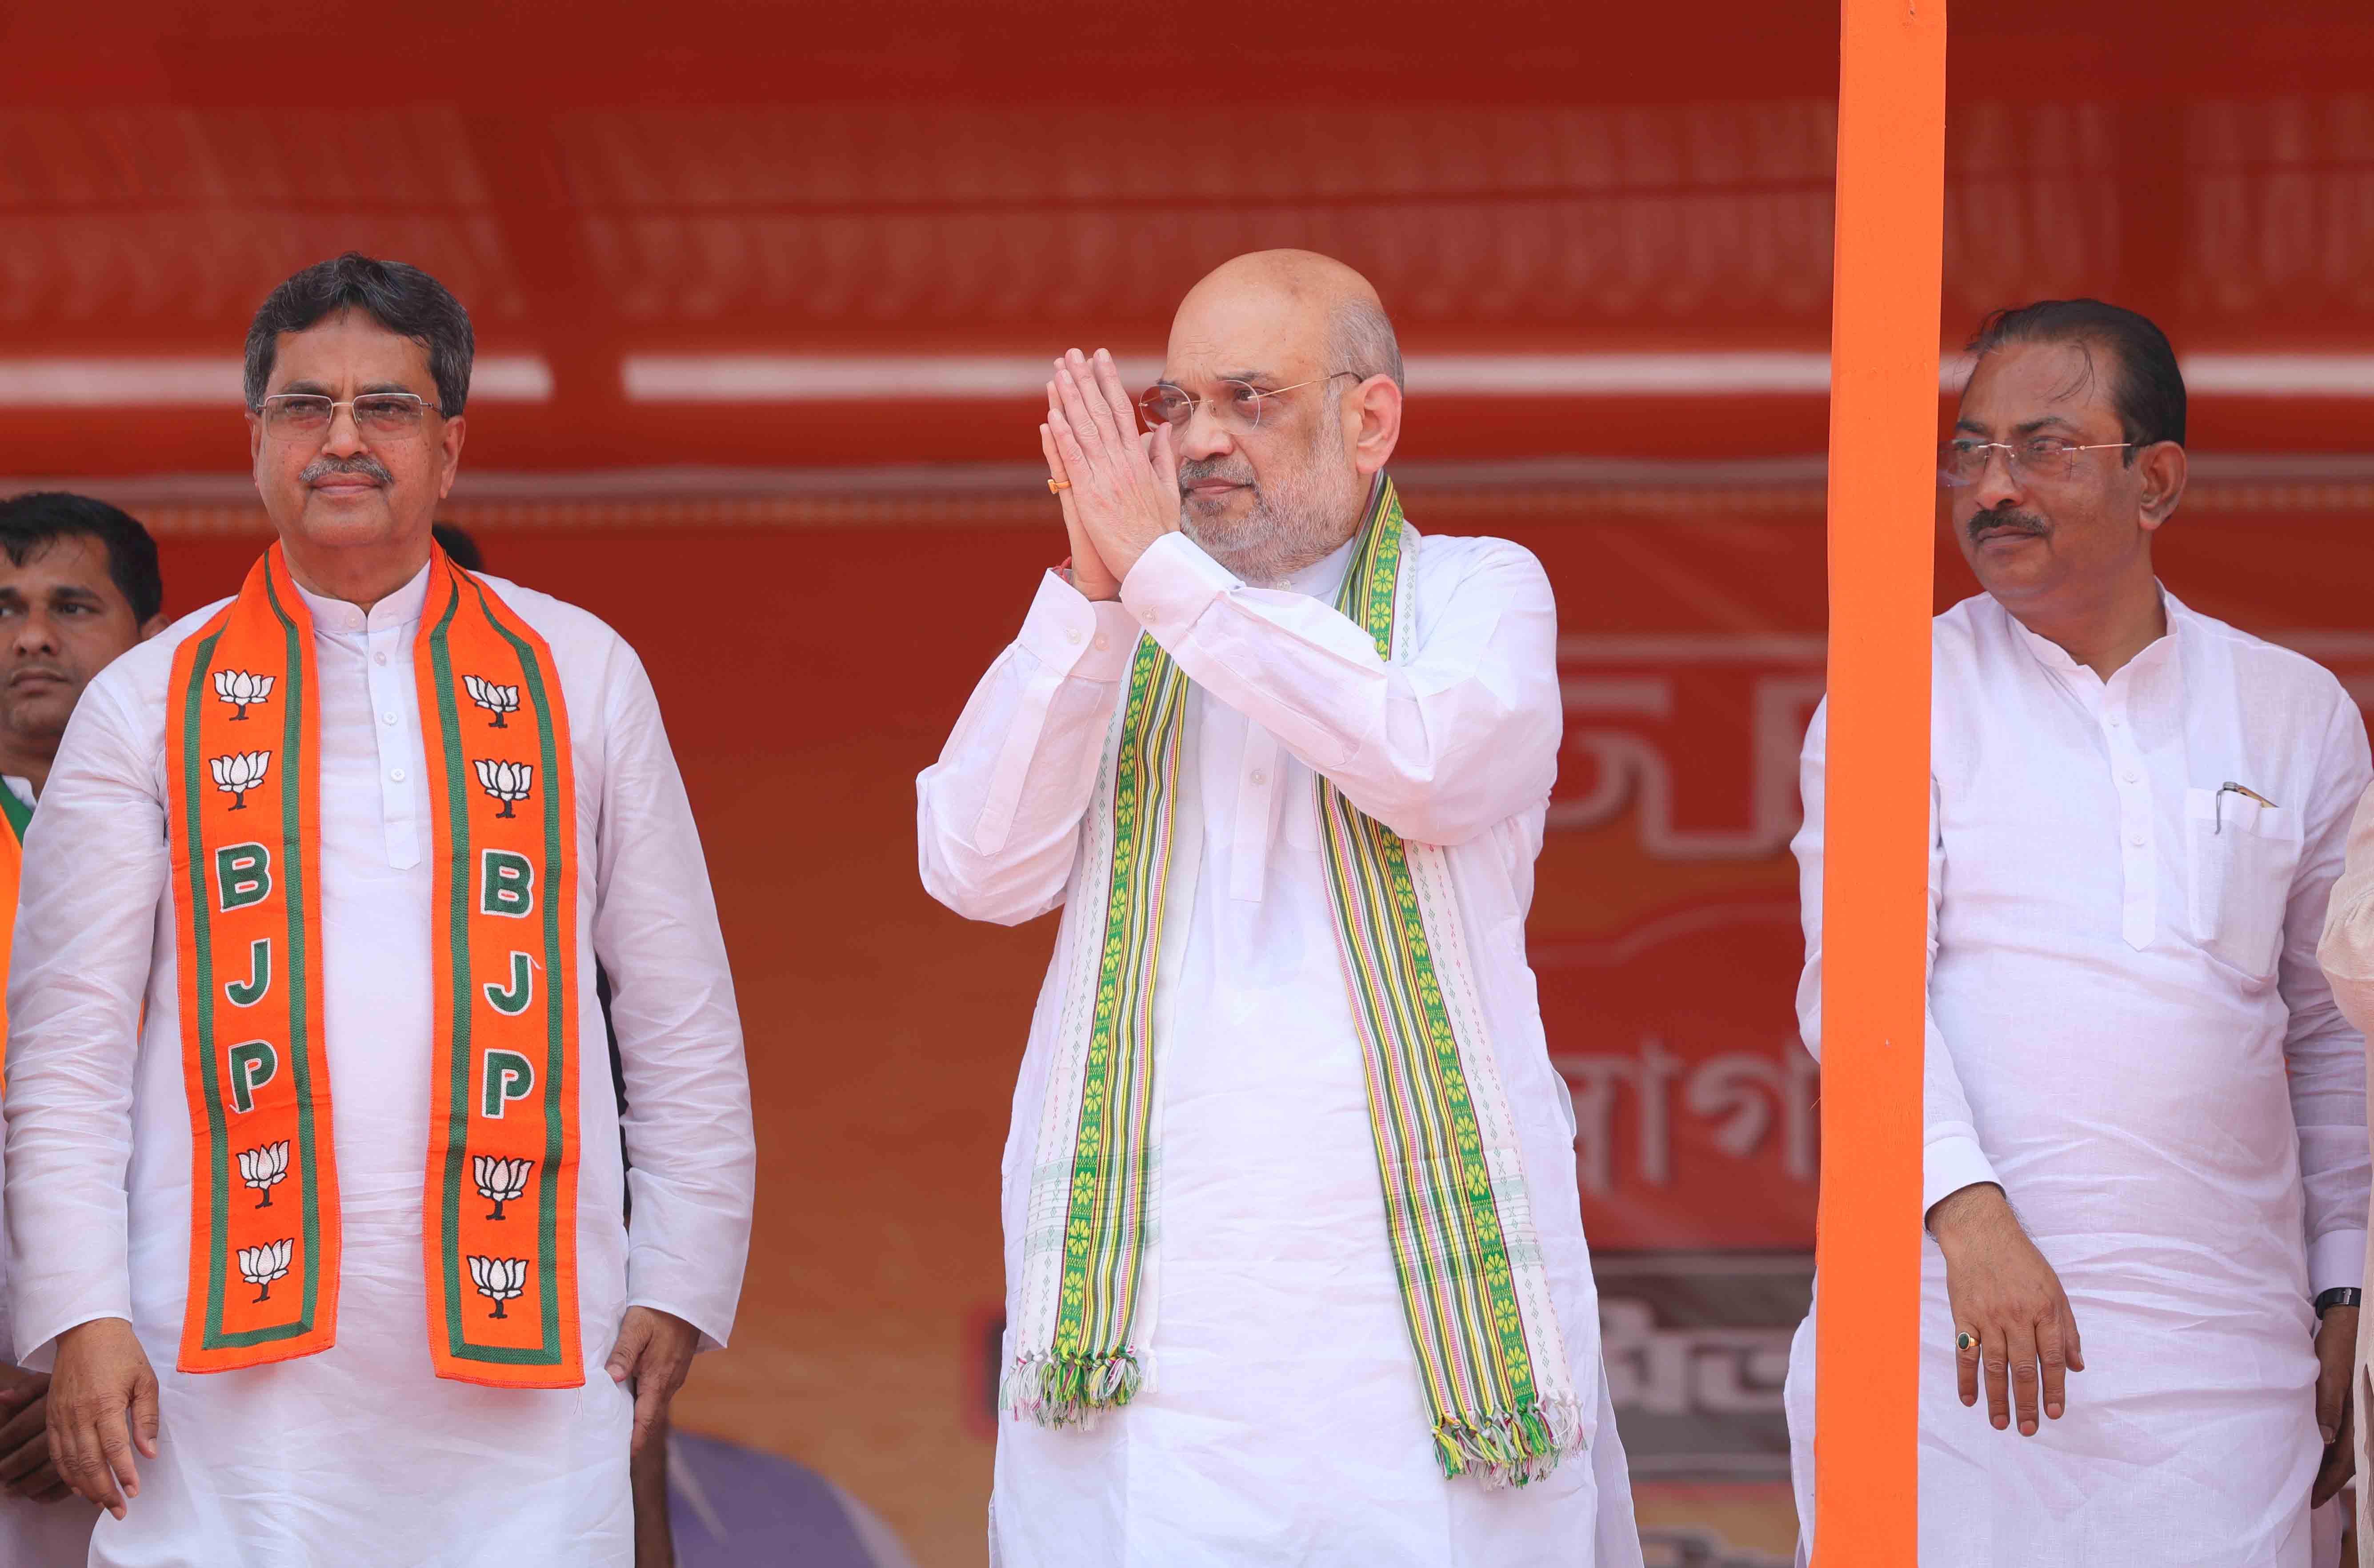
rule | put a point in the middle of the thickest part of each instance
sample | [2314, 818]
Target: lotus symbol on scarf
[505, 781]
[499, 1279]
[259, 1266]
[237, 773]
[264, 1168]
[497, 700]
[499, 1181]
[239, 688]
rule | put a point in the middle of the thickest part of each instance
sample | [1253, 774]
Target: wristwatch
[2340, 1295]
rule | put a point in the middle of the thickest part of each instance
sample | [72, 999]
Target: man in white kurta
[359, 1454]
[1282, 1421]
[2138, 812]
[79, 586]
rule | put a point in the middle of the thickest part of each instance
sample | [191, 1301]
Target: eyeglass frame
[424, 406]
[1195, 402]
[2012, 460]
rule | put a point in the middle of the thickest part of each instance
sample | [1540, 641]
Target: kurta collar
[2057, 659]
[401, 608]
[1323, 577]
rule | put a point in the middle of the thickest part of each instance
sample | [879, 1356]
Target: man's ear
[1374, 414]
[153, 625]
[2162, 468]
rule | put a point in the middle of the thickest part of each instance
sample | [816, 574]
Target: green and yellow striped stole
[1499, 1394]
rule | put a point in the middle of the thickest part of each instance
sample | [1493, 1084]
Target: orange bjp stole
[501, 1199]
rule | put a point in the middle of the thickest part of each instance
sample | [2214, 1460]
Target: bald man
[1294, 1254]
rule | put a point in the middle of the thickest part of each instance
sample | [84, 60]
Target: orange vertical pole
[1884, 335]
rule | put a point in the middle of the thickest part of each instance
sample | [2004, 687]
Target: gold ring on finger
[1966, 1340]
[1057, 486]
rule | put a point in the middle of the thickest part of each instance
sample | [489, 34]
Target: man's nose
[1205, 435]
[1998, 482]
[35, 634]
[344, 437]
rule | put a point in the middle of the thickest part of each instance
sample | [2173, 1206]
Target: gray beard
[1281, 534]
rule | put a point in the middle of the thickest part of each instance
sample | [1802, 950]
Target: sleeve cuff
[1949, 1163]
[2336, 1258]
[1067, 631]
[1171, 586]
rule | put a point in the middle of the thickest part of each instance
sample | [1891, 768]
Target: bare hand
[2337, 1357]
[103, 1402]
[1124, 484]
[2009, 1298]
[1089, 573]
[653, 1352]
[24, 1467]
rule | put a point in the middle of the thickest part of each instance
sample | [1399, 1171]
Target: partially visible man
[2145, 1116]
[1295, 1261]
[328, 1244]
[78, 586]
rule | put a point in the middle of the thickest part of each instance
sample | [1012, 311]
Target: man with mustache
[1295, 1264]
[2145, 1170]
[78, 586]
[313, 1166]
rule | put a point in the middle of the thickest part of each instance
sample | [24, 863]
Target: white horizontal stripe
[811, 377]
[2281, 375]
[1590, 375]
[213, 382]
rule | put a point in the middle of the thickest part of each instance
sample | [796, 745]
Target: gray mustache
[1196, 470]
[2020, 521]
[322, 467]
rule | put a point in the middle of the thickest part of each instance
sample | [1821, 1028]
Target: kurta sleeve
[692, 1161]
[997, 818]
[1440, 748]
[1951, 1155]
[95, 866]
[2324, 1048]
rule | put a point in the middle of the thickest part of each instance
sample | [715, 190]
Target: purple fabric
[733, 1507]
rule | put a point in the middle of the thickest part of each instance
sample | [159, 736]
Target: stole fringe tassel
[1069, 1390]
[1513, 1449]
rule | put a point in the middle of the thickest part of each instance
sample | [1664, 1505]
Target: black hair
[401, 298]
[459, 547]
[33, 522]
[2147, 387]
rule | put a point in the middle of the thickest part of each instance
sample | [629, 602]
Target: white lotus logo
[505, 781]
[497, 700]
[500, 1181]
[265, 1169]
[499, 1279]
[239, 688]
[262, 1264]
[237, 774]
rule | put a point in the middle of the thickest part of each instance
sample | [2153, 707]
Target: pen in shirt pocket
[2217, 814]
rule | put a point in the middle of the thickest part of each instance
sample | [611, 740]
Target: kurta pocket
[2239, 856]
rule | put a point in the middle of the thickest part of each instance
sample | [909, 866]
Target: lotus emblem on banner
[262, 1264]
[499, 1279]
[497, 700]
[239, 688]
[499, 1181]
[505, 781]
[265, 1169]
[237, 774]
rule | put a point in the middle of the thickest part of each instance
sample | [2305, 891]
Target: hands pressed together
[1119, 486]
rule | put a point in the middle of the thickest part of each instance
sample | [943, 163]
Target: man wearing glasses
[313, 1162]
[1295, 1263]
[2147, 1172]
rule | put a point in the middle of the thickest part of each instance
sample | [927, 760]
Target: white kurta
[1283, 1421]
[35, 1535]
[361, 1454]
[2129, 1033]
